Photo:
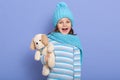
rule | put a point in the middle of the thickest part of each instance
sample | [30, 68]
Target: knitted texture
[66, 39]
[67, 62]
[62, 11]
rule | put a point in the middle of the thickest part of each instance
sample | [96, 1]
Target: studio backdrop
[96, 22]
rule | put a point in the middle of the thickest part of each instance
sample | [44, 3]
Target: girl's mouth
[64, 29]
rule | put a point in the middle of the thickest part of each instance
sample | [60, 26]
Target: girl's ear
[32, 45]
[44, 39]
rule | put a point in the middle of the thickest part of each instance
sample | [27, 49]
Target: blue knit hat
[62, 11]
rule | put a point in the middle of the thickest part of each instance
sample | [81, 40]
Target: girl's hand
[46, 57]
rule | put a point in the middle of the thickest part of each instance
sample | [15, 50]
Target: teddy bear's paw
[37, 58]
[45, 71]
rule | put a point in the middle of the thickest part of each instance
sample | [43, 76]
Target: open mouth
[64, 29]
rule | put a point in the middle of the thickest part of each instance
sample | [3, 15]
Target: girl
[67, 48]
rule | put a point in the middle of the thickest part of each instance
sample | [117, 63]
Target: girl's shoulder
[53, 41]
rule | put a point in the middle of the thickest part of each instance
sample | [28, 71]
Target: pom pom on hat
[62, 11]
[62, 4]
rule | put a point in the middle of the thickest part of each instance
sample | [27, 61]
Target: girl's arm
[77, 64]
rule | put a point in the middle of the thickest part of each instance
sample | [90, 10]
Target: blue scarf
[66, 39]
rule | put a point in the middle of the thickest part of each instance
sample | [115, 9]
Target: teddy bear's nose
[36, 42]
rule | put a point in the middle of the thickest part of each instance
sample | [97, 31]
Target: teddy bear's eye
[39, 40]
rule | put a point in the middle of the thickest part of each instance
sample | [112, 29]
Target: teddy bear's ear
[32, 46]
[44, 39]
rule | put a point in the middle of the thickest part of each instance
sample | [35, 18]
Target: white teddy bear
[43, 47]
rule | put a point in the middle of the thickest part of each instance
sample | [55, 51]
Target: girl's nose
[64, 24]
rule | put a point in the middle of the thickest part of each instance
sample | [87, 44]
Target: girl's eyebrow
[60, 21]
[68, 20]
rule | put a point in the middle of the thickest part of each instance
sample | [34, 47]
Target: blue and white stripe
[77, 64]
[67, 62]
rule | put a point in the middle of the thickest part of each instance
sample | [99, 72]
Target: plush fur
[39, 42]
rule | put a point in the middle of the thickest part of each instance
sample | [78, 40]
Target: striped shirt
[67, 62]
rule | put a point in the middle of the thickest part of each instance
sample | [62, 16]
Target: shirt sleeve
[43, 60]
[77, 64]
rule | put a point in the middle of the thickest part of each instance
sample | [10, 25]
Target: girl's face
[64, 25]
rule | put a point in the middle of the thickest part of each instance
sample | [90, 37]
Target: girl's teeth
[64, 28]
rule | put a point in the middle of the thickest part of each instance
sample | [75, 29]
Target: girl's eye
[39, 40]
[67, 21]
[60, 22]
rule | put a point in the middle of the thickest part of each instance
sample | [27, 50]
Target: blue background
[97, 23]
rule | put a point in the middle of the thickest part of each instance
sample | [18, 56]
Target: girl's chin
[64, 32]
